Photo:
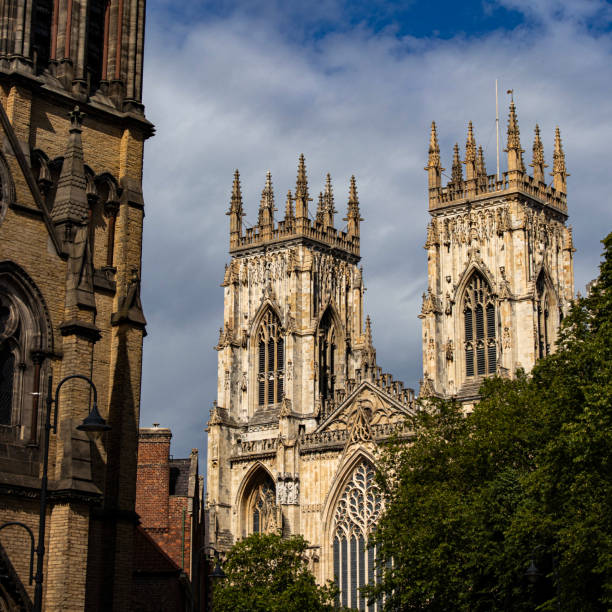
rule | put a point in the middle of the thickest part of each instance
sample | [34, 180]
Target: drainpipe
[183, 543]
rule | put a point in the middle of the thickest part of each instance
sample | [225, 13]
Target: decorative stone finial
[266, 206]
[301, 190]
[513, 148]
[289, 214]
[457, 170]
[320, 216]
[328, 202]
[537, 163]
[353, 217]
[559, 172]
[236, 211]
[76, 119]
[470, 154]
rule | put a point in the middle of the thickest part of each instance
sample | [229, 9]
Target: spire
[515, 153]
[559, 172]
[301, 190]
[433, 166]
[235, 212]
[537, 163]
[470, 154]
[71, 205]
[328, 202]
[266, 207]
[368, 332]
[320, 217]
[353, 217]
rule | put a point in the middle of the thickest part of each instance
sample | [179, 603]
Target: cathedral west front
[302, 406]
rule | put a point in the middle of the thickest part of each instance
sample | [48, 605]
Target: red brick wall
[153, 478]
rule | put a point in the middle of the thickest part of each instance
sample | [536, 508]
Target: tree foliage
[265, 572]
[528, 471]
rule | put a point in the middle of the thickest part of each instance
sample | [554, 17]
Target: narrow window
[41, 33]
[479, 328]
[95, 42]
[7, 372]
[270, 360]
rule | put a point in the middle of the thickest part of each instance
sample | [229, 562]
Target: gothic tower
[499, 265]
[71, 213]
[301, 403]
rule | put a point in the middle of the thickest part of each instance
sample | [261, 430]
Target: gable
[368, 406]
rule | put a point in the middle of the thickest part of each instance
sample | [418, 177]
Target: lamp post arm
[31, 543]
[57, 391]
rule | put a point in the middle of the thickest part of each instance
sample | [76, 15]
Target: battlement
[477, 184]
[297, 223]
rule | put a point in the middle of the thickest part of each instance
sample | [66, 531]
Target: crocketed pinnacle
[353, 217]
[457, 171]
[236, 199]
[559, 172]
[320, 216]
[368, 332]
[470, 154]
[301, 184]
[71, 197]
[481, 169]
[328, 202]
[513, 148]
[537, 163]
[266, 207]
[289, 214]
[433, 160]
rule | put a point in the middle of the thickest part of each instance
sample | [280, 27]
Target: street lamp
[214, 576]
[94, 425]
[533, 573]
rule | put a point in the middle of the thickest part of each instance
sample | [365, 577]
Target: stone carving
[449, 350]
[287, 490]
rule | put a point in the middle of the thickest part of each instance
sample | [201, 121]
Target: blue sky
[354, 86]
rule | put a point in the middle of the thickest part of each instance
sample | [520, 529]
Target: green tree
[269, 573]
[529, 468]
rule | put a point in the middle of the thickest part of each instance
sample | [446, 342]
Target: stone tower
[301, 403]
[499, 264]
[71, 213]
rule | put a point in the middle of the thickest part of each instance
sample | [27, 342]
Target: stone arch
[26, 340]
[267, 354]
[256, 502]
[353, 507]
[547, 312]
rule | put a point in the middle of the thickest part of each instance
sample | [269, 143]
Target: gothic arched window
[356, 515]
[271, 358]
[479, 328]
[260, 509]
[544, 317]
[327, 357]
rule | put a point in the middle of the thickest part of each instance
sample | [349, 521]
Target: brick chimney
[153, 481]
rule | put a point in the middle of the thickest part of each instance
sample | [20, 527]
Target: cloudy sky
[354, 85]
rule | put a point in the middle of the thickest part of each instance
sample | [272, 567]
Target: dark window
[42, 12]
[479, 316]
[95, 42]
[271, 361]
[327, 357]
[7, 372]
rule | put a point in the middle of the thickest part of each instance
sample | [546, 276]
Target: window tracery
[261, 510]
[271, 359]
[479, 328]
[356, 516]
[544, 304]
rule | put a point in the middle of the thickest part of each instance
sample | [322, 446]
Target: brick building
[168, 497]
[72, 130]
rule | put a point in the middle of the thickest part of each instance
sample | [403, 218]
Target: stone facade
[71, 213]
[302, 405]
[499, 265]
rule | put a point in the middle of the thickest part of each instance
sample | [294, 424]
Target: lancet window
[271, 359]
[260, 508]
[327, 357]
[544, 318]
[479, 328]
[356, 516]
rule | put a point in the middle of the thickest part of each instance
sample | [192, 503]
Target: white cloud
[238, 92]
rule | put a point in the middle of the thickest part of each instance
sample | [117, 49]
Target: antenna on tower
[497, 126]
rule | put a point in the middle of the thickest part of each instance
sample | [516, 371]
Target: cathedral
[302, 406]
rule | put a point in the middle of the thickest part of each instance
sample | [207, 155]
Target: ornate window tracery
[260, 508]
[544, 304]
[479, 328]
[356, 516]
[327, 357]
[271, 359]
